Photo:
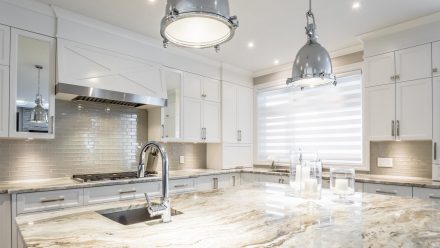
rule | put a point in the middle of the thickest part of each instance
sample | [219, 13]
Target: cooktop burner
[109, 176]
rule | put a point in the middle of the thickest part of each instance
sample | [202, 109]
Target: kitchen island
[254, 215]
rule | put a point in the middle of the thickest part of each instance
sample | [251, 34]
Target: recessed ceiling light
[152, 1]
[276, 62]
[251, 44]
[356, 5]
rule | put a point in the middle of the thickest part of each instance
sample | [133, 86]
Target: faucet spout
[164, 208]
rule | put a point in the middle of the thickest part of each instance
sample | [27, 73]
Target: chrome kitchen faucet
[162, 209]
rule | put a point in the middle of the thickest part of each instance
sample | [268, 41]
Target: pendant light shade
[312, 66]
[198, 23]
[39, 114]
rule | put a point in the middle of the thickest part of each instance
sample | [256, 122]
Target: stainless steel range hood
[89, 94]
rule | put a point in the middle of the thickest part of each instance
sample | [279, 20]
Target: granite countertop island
[254, 215]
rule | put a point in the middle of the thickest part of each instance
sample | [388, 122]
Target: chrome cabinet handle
[204, 133]
[397, 77]
[44, 200]
[127, 192]
[163, 131]
[392, 128]
[238, 135]
[435, 150]
[434, 197]
[398, 128]
[233, 181]
[386, 192]
[215, 183]
[180, 185]
[392, 78]
[52, 124]
[434, 70]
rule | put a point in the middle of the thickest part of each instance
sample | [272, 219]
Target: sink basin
[281, 170]
[133, 216]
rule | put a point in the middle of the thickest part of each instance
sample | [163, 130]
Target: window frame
[340, 72]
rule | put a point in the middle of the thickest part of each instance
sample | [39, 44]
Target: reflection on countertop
[253, 215]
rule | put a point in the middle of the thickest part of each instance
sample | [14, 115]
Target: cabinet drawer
[393, 190]
[206, 183]
[50, 200]
[273, 179]
[182, 185]
[120, 192]
[427, 194]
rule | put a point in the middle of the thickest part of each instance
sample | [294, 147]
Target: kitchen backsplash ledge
[89, 138]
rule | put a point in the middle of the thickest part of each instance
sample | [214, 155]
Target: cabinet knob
[392, 77]
[203, 95]
[397, 77]
[434, 70]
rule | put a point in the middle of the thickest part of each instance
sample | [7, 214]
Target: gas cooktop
[109, 176]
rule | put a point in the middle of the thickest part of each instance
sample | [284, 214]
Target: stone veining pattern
[256, 215]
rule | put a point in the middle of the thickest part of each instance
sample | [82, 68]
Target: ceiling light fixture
[276, 62]
[251, 45]
[39, 114]
[197, 23]
[312, 66]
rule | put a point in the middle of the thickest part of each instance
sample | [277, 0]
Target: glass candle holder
[311, 179]
[342, 182]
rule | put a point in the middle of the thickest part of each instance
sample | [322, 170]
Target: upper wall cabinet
[400, 66]
[436, 58]
[5, 38]
[32, 85]
[202, 88]
[4, 101]
[94, 67]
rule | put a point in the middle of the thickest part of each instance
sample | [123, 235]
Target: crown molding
[400, 27]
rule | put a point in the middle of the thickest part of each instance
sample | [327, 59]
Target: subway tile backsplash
[89, 138]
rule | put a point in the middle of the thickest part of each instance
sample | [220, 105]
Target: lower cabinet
[427, 193]
[178, 186]
[206, 183]
[5, 221]
[263, 178]
[385, 189]
[123, 192]
[49, 200]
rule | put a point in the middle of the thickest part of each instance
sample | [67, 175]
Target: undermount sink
[281, 170]
[133, 215]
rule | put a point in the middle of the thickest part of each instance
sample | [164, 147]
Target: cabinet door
[211, 121]
[211, 90]
[436, 58]
[392, 190]
[414, 110]
[5, 38]
[245, 117]
[171, 114]
[413, 63]
[229, 113]
[192, 86]
[30, 51]
[4, 101]
[192, 119]
[379, 70]
[436, 120]
[380, 112]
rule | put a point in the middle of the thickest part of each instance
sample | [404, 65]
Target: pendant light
[312, 66]
[198, 23]
[39, 114]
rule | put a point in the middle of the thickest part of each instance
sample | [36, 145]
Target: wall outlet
[182, 159]
[385, 162]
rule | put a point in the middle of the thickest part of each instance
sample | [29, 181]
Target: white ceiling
[275, 26]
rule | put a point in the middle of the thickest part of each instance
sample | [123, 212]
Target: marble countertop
[68, 183]
[255, 215]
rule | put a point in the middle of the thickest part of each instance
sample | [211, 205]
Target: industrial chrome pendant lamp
[312, 66]
[198, 23]
[39, 114]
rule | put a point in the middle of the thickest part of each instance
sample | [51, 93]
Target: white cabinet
[123, 192]
[49, 200]
[5, 38]
[178, 186]
[199, 87]
[379, 70]
[206, 183]
[5, 221]
[4, 101]
[401, 111]
[385, 189]
[427, 194]
[380, 112]
[436, 58]
[237, 113]
[192, 119]
[436, 120]
[399, 66]
[211, 122]
[414, 110]
[413, 63]
[30, 51]
[436, 172]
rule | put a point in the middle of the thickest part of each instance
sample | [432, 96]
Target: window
[326, 120]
